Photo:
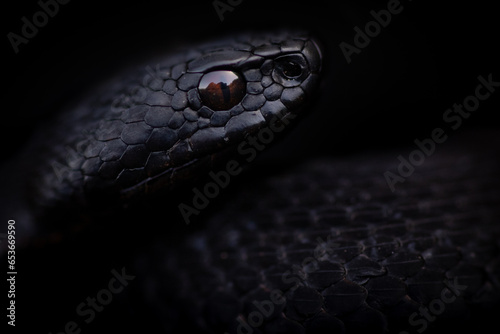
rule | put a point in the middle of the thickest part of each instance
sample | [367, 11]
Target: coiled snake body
[323, 247]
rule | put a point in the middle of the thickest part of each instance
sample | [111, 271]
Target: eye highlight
[221, 90]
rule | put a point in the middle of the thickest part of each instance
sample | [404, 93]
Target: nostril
[292, 69]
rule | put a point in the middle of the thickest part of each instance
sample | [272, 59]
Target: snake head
[228, 90]
[158, 127]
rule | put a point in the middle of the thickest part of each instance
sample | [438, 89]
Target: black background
[394, 91]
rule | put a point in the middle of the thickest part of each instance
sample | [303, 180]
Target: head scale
[186, 110]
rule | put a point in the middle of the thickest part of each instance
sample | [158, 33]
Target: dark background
[394, 91]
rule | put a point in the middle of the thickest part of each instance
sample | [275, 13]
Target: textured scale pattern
[328, 248]
[323, 247]
[152, 122]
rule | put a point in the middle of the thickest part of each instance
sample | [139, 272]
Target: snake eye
[290, 70]
[221, 90]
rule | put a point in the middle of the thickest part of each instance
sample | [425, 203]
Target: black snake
[322, 247]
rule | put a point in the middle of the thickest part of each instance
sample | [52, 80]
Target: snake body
[324, 247]
[349, 257]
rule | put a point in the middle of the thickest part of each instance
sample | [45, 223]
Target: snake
[319, 246]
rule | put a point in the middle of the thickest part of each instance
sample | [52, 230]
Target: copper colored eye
[221, 90]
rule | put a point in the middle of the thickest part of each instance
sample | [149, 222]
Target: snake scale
[322, 247]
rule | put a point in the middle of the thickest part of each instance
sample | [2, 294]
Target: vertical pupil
[221, 90]
[226, 92]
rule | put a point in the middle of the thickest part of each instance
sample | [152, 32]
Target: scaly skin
[323, 247]
[326, 247]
